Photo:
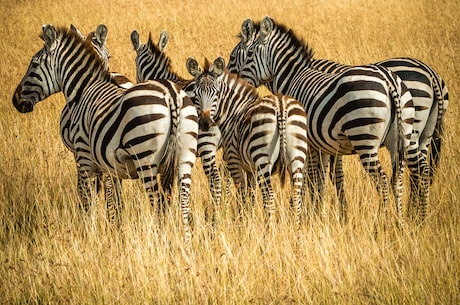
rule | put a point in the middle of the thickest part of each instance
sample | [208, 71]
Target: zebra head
[98, 40]
[39, 82]
[239, 53]
[256, 68]
[208, 89]
[150, 59]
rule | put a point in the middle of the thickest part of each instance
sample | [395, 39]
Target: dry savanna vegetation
[48, 254]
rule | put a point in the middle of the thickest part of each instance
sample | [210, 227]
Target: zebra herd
[319, 111]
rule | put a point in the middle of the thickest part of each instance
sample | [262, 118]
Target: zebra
[429, 93]
[351, 112]
[153, 63]
[112, 185]
[147, 130]
[259, 135]
[430, 96]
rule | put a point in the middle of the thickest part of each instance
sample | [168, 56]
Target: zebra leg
[337, 177]
[296, 198]
[397, 183]
[420, 184]
[215, 184]
[316, 179]
[239, 179]
[113, 199]
[424, 189]
[264, 174]
[84, 189]
[371, 164]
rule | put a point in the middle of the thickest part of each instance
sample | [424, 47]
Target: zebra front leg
[215, 183]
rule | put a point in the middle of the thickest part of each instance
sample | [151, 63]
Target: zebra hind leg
[371, 164]
[114, 201]
[337, 177]
[420, 184]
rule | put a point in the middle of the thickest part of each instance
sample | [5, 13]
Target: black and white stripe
[112, 185]
[429, 94]
[259, 135]
[139, 132]
[351, 112]
[153, 63]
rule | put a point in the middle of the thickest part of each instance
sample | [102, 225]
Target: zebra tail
[436, 140]
[169, 163]
[282, 118]
[396, 96]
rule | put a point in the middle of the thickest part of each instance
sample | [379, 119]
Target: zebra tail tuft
[169, 163]
[396, 96]
[436, 140]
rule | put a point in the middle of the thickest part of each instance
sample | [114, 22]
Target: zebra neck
[75, 82]
[288, 63]
[236, 98]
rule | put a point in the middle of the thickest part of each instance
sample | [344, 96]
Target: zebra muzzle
[22, 105]
[205, 121]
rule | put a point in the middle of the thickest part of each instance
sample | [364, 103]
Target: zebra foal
[259, 135]
[147, 130]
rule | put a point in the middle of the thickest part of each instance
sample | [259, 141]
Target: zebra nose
[21, 105]
[205, 120]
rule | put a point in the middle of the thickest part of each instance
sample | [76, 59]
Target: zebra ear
[135, 40]
[49, 36]
[192, 67]
[266, 27]
[73, 28]
[247, 29]
[219, 66]
[163, 40]
[101, 34]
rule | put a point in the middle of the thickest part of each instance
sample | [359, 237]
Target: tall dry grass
[49, 255]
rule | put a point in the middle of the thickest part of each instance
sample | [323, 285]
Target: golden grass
[48, 255]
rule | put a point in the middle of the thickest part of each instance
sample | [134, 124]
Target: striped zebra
[141, 132]
[112, 185]
[430, 97]
[259, 135]
[429, 94]
[354, 112]
[153, 63]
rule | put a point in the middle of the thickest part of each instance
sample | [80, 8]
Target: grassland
[48, 256]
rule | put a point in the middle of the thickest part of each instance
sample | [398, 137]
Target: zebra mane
[232, 80]
[65, 32]
[296, 40]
